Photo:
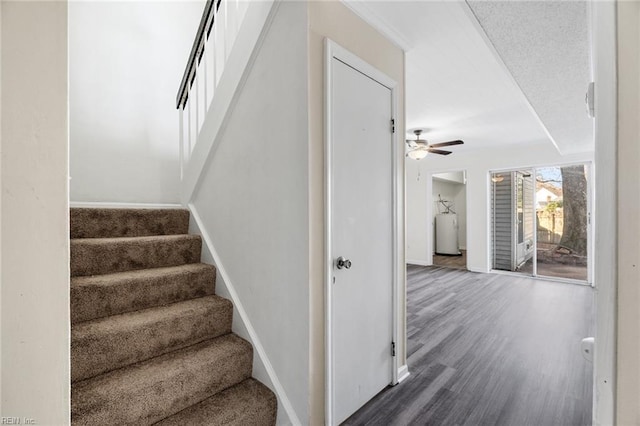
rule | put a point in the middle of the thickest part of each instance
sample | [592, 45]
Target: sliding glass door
[562, 212]
[540, 221]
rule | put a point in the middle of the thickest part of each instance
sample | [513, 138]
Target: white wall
[456, 193]
[35, 212]
[126, 61]
[477, 165]
[419, 195]
[252, 200]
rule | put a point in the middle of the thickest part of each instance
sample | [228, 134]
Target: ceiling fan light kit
[419, 148]
[417, 154]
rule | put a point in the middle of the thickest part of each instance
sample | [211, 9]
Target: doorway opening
[449, 197]
[540, 222]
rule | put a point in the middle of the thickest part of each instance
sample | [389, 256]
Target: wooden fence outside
[550, 226]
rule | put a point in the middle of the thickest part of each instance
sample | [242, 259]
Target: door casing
[399, 371]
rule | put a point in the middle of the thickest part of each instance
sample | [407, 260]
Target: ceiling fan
[419, 148]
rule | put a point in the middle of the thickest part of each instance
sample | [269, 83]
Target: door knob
[343, 263]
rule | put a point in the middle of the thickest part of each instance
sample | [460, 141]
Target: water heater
[447, 234]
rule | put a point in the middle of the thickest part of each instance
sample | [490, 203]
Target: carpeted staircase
[150, 341]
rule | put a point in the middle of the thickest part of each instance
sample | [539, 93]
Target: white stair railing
[217, 32]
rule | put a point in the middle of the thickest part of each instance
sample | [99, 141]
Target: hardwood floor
[488, 349]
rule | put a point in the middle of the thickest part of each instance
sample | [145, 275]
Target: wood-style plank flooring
[489, 349]
[458, 262]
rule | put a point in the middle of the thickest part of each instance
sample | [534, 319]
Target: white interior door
[361, 223]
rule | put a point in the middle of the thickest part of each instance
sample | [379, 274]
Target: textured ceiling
[459, 85]
[546, 47]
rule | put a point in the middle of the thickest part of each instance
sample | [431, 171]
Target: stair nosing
[129, 209]
[99, 296]
[245, 384]
[103, 333]
[156, 359]
[157, 308]
[133, 239]
[210, 351]
[134, 273]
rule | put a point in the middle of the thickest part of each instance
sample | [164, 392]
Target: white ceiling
[500, 79]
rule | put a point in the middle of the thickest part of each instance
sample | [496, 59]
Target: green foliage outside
[553, 206]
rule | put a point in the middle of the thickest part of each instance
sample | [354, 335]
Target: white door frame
[431, 213]
[605, 274]
[333, 50]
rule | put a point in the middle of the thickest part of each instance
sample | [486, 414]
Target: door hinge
[393, 348]
[393, 125]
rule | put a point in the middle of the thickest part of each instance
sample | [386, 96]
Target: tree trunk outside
[574, 194]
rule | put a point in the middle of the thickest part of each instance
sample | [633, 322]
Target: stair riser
[90, 299]
[111, 223]
[100, 346]
[159, 388]
[95, 257]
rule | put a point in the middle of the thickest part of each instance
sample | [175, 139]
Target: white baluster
[219, 42]
[197, 102]
[214, 42]
[211, 68]
[194, 116]
[190, 125]
[207, 73]
[201, 96]
[181, 127]
[204, 74]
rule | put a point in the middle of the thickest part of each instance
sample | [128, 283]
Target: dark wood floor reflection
[488, 349]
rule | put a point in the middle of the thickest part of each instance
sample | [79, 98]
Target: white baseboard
[244, 317]
[114, 205]
[403, 373]
[418, 262]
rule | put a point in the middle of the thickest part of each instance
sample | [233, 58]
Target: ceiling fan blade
[439, 151]
[441, 144]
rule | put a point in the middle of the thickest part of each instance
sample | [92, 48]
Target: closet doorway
[449, 197]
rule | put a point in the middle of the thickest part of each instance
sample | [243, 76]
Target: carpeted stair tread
[95, 256]
[150, 341]
[152, 390]
[105, 344]
[249, 403]
[107, 223]
[112, 294]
